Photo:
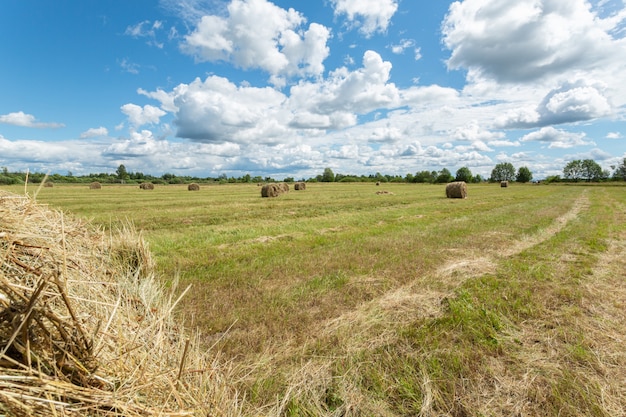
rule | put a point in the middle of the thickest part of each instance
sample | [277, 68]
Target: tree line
[586, 170]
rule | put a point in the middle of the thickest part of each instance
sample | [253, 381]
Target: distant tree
[444, 176]
[591, 170]
[425, 177]
[587, 170]
[409, 178]
[464, 174]
[328, 175]
[620, 171]
[552, 178]
[524, 175]
[573, 170]
[121, 172]
[477, 179]
[504, 171]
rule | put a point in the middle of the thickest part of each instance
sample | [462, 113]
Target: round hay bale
[270, 190]
[146, 186]
[95, 186]
[193, 187]
[299, 186]
[457, 189]
[377, 183]
[504, 184]
[284, 187]
[48, 184]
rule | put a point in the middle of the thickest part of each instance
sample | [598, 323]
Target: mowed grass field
[337, 300]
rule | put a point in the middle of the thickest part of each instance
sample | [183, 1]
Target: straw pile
[456, 189]
[146, 186]
[86, 330]
[95, 186]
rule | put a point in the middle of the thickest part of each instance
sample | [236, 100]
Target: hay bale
[504, 184]
[85, 326]
[299, 186]
[377, 183]
[284, 187]
[270, 190]
[146, 186]
[95, 186]
[48, 184]
[457, 189]
[193, 187]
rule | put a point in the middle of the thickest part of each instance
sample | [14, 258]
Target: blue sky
[288, 88]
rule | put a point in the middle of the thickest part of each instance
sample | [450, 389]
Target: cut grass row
[332, 300]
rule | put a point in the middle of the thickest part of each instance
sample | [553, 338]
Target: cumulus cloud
[370, 16]
[138, 116]
[344, 92]
[216, 110]
[570, 103]
[94, 132]
[259, 34]
[139, 144]
[27, 120]
[556, 138]
[526, 40]
[614, 135]
[474, 132]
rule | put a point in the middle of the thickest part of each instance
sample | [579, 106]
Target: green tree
[328, 175]
[121, 172]
[464, 174]
[591, 170]
[425, 176]
[504, 171]
[573, 170]
[444, 176]
[524, 175]
[620, 171]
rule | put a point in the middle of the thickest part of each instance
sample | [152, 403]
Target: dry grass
[85, 329]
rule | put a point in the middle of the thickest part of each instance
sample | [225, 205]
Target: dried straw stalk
[85, 329]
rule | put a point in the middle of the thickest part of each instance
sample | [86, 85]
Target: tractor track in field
[423, 297]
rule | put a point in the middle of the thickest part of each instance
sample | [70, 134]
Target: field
[337, 300]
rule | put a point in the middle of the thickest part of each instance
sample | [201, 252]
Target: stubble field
[338, 300]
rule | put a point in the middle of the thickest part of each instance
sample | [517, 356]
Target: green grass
[339, 300]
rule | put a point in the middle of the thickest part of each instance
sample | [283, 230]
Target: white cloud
[259, 34]
[528, 39]
[614, 135]
[404, 44]
[370, 16]
[570, 103]
[556, 138]
[146, 29]
[128, 66]
[94, 132]
[138, 116]
[216, 110]
[472, 131]
[345, 92]
[26, 120]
